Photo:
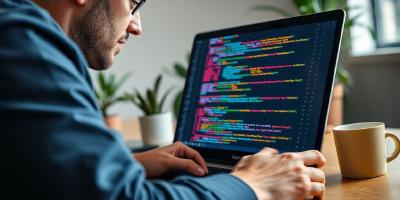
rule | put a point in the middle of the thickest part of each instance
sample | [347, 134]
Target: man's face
[104, 29]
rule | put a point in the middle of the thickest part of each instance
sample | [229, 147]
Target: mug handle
[396, 141]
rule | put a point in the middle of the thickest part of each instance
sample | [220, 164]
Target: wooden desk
[337, 187]
[384, 187]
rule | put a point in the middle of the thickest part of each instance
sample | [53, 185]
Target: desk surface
[337, 187]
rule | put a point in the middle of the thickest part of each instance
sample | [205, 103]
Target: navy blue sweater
[53, 141]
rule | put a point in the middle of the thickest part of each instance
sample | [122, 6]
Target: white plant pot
[157, 129]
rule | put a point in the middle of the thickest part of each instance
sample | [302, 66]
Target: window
[387, 22]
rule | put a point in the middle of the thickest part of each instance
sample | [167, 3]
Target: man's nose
[135, 26]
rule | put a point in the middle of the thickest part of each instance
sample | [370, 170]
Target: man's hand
[176, 156]
[283, 176]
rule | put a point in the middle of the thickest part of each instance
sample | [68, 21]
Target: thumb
[186, 165]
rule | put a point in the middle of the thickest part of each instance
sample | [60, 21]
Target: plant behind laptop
[149, 103]
[156, 125]
[179, 70]
[108, 95]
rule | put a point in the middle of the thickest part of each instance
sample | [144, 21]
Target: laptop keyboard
[217, 170]
[211, 171]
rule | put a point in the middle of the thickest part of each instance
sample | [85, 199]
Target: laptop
[261, 85]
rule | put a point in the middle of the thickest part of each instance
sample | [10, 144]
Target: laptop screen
[258, 88]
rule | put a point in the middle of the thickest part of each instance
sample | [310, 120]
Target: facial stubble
[95, 33]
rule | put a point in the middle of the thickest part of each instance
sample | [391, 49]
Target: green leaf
[120, 99]
[353, 19]
[341, 4]
[145, 110]
[102, 81]
[180, 70]
[129, 97]
[157, 85]
[164, 97]
[372, 32]
[188, 55]
[144, 106]
[109, 87]
[111, 90]
[343, 76]
[132, 98]
[305, 7]
[272, 9]
[327, 5]
[152, 101]
[98, 96]
[105, 107]
[316, 6]
[177, 103]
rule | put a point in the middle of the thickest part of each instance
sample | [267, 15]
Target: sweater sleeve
[54, 144]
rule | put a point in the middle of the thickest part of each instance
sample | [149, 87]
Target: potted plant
[155, 125]
[108, 95]
[179, 70]
[343, 77]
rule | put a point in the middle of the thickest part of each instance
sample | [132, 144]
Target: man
[54, 144]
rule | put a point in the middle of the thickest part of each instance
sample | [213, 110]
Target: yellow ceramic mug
[361, 149]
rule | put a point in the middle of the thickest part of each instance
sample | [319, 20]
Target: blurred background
[371, 58]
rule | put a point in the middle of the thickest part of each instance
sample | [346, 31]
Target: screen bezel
[231, 157]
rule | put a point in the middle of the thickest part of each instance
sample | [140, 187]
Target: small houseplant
[179, 70]
[108, 94]
[155, 125]
[343, 77]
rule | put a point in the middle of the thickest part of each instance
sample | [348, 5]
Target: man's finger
[186, 165]
[268, 151]
[316, 189]
[187, 152]
[313, 158]
[316, 175]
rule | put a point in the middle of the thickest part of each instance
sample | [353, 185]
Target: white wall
[169, 27]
